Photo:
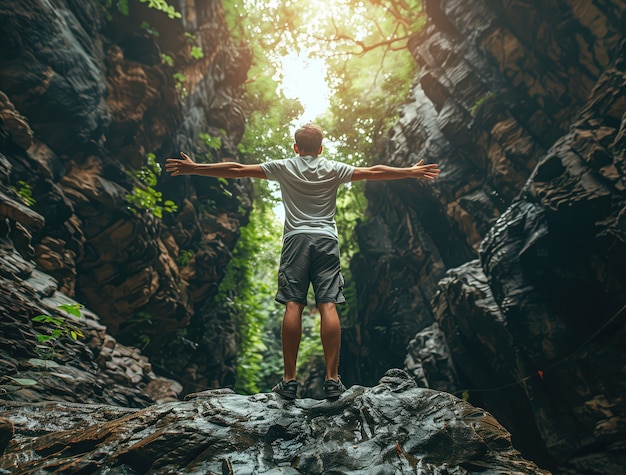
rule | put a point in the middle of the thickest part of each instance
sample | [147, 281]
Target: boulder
[391, 428]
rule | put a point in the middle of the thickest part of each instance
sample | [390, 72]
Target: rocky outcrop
[552, 286]
[521, 103]
[391, 428]
[84, 101]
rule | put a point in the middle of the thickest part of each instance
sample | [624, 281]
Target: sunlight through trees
[343, 64]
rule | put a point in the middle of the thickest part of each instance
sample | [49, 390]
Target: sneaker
[286, 389]
[333, 388]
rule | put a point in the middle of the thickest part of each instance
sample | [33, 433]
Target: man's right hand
[184, 166]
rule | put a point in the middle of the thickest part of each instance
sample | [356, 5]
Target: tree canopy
[364, 46]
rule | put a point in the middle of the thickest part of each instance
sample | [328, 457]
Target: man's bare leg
[290, 336]
[330, 332]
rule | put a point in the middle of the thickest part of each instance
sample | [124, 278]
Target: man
[310, 253]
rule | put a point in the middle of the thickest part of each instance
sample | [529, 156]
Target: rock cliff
[506, 278]
[91, 100]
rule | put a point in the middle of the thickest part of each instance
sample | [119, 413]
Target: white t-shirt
[309, 189]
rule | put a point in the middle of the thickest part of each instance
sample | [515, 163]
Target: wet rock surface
[393, 427]
[95, 368]
[516, 253]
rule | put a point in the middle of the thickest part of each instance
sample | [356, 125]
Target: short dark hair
[309, 138]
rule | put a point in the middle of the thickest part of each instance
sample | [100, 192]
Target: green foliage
[143, 341]
[180, 79]
[145, 26]
[364, 108]
[164, 7]
[135, 330]
[167, 59]
[481, 102]
[59, 327]
[141, 318]
[144, 196]
[364, 45]
[161, 5]
[249, 287]
[25, 192]
[269, 113]
[148, 174]
[184, 257]
[214, 143]
[311, 344]
[121, 5]
[196, 52]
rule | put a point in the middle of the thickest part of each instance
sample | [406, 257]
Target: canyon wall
[92, 101]
[505, 280]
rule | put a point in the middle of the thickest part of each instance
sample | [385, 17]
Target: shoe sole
[335, 393]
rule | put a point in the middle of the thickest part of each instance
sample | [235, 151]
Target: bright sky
[305, 79]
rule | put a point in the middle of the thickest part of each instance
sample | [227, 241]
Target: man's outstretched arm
[186, 166]
[384, 172]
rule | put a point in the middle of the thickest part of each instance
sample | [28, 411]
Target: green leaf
[42, 362]
[24, 381]
[149, 29]
[72, 309]
[211, 142]
[170, 206]
[167, 59]
[163, 6]
[25, 192]
[122, 6]
[42, 338]
[196, 52]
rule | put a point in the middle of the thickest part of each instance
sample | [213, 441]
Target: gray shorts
[310, 259]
